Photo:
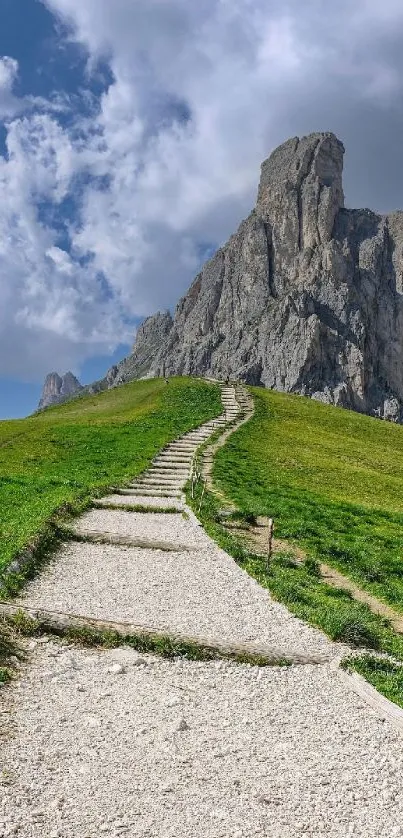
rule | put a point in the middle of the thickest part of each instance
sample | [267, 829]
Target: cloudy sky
[131, 134]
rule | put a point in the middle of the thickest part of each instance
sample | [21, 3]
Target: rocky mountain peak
[58, 388]
[306, 296]
[301, 192]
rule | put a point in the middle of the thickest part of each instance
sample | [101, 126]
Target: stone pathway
[110, 742]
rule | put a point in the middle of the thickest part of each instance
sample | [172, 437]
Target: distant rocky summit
[306, 297]
[58, 389]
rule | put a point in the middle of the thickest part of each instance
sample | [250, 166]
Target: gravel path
[152, 501]
[164, 502]
[153, 525]
[182, 749]
[116, 744]
[202, 592]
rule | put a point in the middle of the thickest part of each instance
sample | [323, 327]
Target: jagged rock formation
[58, 389]
[151, 337]
[306, 297]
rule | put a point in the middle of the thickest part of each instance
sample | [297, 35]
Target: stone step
[159, 484]
[166, 479]
[195, 443]
[184, 466]
[129, 498]
[174, 485]
[171, 483]
[182, 449]
[171, 466]
[155, 493]
[196, 437]
[164, 476]
[97, 537]
[175, 468]
[131, 492]
[169, 475]
[168, 456]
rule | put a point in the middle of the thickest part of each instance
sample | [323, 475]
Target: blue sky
[32, 35]
[131, 135]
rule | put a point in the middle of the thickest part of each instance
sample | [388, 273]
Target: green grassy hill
[332, 480]
[64, 455]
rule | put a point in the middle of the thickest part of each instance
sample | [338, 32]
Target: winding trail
[110, 742]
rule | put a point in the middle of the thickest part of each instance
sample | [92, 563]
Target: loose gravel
[151, 500]
[166, 501]
[200, 592]
[110, 743]
[152, 525]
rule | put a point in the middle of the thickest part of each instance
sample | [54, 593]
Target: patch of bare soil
[256, 536]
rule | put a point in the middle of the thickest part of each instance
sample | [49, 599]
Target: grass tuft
[162, 645]
[385, 675]
[9, 651]
[312, 566]
[333, 610]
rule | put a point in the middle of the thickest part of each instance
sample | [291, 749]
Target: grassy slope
[333, 482]
[63, 455]
[301, 589]
[331, 479]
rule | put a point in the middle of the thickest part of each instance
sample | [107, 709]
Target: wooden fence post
[202, 494]
[270, 542]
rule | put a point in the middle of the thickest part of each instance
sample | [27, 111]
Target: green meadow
[331, 479]
[333, 482]
[57, 459]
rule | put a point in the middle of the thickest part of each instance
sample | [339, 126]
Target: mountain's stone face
[151, 337]
[306, 297]
[58, 389]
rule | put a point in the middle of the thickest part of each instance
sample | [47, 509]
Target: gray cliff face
[151, 337]
[57, 389]
[306, 297]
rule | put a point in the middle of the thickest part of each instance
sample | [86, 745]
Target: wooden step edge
[137, 491]
[44, 621]
[141, 507]
[97, 537]
[385, 709]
